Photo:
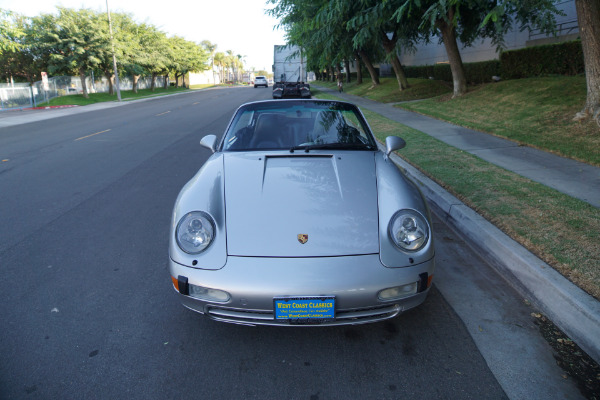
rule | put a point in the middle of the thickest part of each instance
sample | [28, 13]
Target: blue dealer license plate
[304, 308]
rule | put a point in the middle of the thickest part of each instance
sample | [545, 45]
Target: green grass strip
[78, 99]
[388, 92]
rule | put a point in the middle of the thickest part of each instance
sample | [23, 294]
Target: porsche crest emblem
[302, 238]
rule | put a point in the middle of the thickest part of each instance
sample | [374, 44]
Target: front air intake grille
[345, 317]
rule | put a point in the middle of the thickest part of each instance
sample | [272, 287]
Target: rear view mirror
[393, 143]
[210, 142]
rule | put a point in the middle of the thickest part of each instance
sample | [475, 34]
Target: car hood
[274, 201]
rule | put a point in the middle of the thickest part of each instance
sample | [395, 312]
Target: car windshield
[298, 125]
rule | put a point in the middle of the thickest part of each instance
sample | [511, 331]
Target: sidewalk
[569, 307]
[18, 117]
[571, 177]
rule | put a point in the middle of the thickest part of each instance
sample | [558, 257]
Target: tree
[219, 60]
[373, 20]
[240, 66]
[210, 49]
[20, 55]
[230, 61]
[588, 16]
[75, 41]
[321, 29]
[124, 40]
[10, 31]
[153, 51]
[468, 20]
[187, 57]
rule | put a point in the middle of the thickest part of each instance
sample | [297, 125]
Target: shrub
[477, 72]
[481, 72]
[564, 58]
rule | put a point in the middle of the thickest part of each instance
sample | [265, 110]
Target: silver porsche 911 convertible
[298, 219]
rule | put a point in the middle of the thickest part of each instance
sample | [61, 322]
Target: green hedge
[477, 72]
[564, 58]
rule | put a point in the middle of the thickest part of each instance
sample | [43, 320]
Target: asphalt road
[86, 302]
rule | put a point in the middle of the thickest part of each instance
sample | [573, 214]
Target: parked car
[298, 218]
[261, 81]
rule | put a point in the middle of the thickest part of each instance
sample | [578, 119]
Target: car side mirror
[393, 143]
[210, 142]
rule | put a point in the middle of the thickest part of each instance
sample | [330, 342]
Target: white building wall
[203, 78]
[483, 50]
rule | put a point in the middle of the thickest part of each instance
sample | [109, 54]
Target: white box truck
[289, 73]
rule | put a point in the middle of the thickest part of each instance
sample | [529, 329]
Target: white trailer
[289, 73]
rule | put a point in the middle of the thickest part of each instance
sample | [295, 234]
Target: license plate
[304, 308]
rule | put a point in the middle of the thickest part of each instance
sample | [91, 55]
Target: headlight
[409, 230]
[195, 232]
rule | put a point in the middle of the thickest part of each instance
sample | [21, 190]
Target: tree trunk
[166, 82]
[358, 70]
[135, 83]
[347, 66]
[109, 77]
[588, 16]
[332, 77]
[183, 80]
[389, 45]
[456, 65]
[370, 67]
[153, 83]
[83, 85]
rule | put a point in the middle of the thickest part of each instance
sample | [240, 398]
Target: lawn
[387, 91]
[537, 112]
[561, 230]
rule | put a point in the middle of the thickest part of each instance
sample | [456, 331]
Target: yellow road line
[195, 103]
[166, 112]
[93, 134]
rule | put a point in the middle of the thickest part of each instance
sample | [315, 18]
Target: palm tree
[230, 60]
[219, 60]
[210, 47]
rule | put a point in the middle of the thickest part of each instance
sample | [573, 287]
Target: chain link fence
[22, 95]
[17, 95]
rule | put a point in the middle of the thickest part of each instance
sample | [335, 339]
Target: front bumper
[253, 283]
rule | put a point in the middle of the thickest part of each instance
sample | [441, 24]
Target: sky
[238, 25]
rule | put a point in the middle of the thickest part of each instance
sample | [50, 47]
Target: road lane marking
[166, 112]
[93, 134]
[5, 160]
[195, 103]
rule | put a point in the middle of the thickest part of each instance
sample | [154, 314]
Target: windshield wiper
[332, 146]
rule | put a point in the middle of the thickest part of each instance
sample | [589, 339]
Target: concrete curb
[575, 312]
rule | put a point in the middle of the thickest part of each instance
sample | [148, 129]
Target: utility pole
[112, 43]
